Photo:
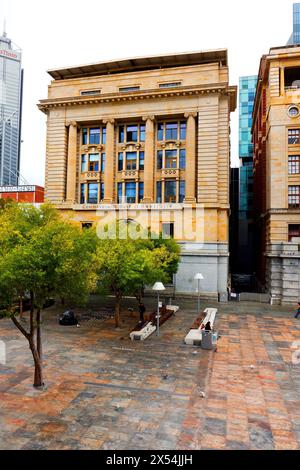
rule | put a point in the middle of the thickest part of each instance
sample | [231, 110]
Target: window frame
[294, 164]
[296, 131]
[295, 195]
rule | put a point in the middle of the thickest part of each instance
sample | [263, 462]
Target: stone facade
[152, 135]
[276, 138]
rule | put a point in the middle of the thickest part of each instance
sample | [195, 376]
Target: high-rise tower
[11, 80]
[295, 37]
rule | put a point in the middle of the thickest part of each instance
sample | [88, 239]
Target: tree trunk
[117, 312]
[39, 334]
[30, 336]
[38, 372]
[139, 297]
[21, 306]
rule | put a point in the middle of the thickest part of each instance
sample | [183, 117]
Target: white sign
[17, 189]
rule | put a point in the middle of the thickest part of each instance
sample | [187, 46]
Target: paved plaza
[105, 392]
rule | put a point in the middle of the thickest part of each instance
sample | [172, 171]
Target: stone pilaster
[72, 163]
[109, 161]
[190, 183]
[149, 160]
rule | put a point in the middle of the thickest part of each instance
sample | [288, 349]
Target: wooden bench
[141, 333]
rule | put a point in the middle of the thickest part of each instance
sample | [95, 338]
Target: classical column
[72, 163]
[149, 160]
[190, 171]
[109, 161]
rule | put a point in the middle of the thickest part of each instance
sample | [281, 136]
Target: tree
[45, 256]
[126, 265]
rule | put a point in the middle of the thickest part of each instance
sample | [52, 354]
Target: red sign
[9, 54]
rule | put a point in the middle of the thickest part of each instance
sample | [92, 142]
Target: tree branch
[20, 327]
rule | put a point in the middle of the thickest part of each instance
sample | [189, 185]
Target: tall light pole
[198, 277]
[158, 287]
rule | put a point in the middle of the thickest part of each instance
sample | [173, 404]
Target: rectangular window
[132, 134]
[142, 133]
[94, 136]
[294, 232]
[120, 189]
[294, 197]
[294, 164]
[171, 158]
[82, 193]
[169, 85]
[170, 191]
[294, 136]
[93, 162]
[142, 161]
[158, 192]
[92, 193]
[103, 135]
[292, 77]
[125, 89]
[83, 163]
[168, 230]
[130, 192]
[103, 158]
[101, 191]
[159, 160]
[182, 130]
[160, 131]
[90, 92]
[130, 160]
[171, 131]
[141, 191]
[84, 136]
[182, 159]
[121, 134]
[181, 191]
[120, 161]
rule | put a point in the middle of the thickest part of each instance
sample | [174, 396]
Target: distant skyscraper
[295, 37]
[242, 255]
[11, 79]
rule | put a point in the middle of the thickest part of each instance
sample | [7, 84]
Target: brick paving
[105, 392]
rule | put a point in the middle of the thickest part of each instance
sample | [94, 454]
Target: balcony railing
[90, 175]
[129, 174]
[170, 172]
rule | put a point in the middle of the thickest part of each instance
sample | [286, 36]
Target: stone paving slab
[105, 392]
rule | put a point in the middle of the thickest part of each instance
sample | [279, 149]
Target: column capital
[190, 114]
[71, 124]
[146, 118]
[109, 120]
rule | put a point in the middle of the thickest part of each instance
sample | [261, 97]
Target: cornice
[217, 88]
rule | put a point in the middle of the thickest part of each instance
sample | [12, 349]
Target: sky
[61, 33]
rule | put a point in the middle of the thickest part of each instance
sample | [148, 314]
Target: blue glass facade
[11, 78]
[246, 102]
[244, 253]
[295, 37]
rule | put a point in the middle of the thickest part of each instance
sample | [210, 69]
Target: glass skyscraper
[295, 37]
[11, 79]
[247, 88]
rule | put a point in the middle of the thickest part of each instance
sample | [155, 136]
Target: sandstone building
[276, 139]
[149, 134]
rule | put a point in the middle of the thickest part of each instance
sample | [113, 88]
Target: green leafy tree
[126, 265]
[44, 256]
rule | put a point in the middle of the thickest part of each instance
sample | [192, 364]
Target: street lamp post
[158, 287]
[198, 277]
